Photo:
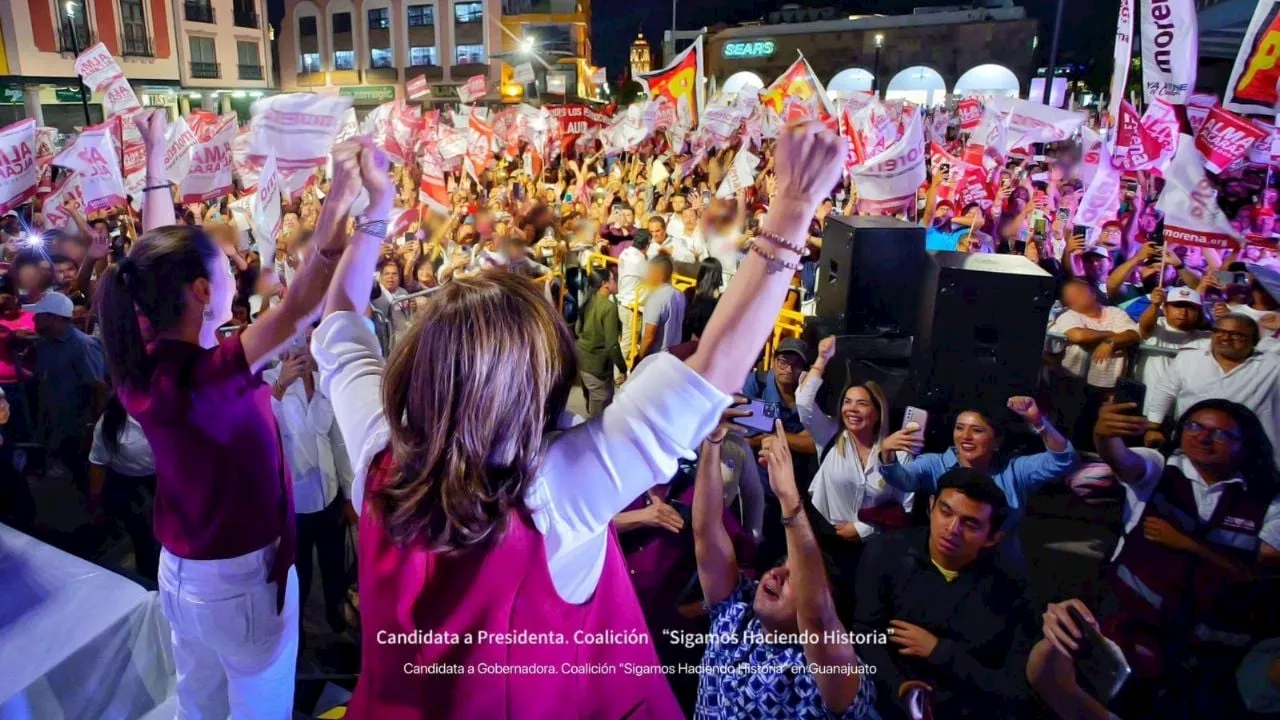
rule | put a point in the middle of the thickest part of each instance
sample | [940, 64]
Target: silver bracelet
[377, 228]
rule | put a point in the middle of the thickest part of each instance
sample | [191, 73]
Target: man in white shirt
[663, 242]
[1096, 335]
[1173, 320]
[632, 267]
[319, 467]
[1228, 367]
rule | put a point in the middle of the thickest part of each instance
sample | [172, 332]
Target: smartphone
[762, 415]
[1131, 391]
[1232, 277]
[917, 416]
[227, 331]
[1041, 226]
[706, 198]
[568, 198]
[1099, 663]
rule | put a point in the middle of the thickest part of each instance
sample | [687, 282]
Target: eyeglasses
[793, 363]
[1232, 335]
[1218, 435]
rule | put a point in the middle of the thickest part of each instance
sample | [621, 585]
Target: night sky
[1088, 28]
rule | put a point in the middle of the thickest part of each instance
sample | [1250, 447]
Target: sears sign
[741, 49]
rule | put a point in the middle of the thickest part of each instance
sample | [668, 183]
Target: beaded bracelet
[377, 228]
[800, 248]
[774, 265]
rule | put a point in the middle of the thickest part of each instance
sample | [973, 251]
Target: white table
[77, 640]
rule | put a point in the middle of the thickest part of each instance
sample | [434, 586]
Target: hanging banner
[209, 175]
[1252, 88]
[265, 210]
[681, 84]
[1190, 203]
[97, 68]
[523, 74]
[1122, 57]
[889, 180]
[299, 127]
[92, 156]
[1170, 50]
[416, 88]
[19, 174]
[1224, 138]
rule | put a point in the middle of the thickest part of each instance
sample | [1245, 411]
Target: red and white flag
[473, 89]
[1136, 148]
[265, 210]
[479, 144]
[97, 68]
[209, 175]
[1224, 138]
[1254, 87]
[19, 174]
[970, 111]
[432, 190]
[92, 156]
[406, 126]
[119, 98]
[1170, 49]
[1101, 200]
[179, 142]
[1198, 107]
[1190, 203]
[416, 87]
[888, 181]
[66, 194]
[300, 128]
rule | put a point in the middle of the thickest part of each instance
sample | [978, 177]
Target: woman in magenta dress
[491, 583]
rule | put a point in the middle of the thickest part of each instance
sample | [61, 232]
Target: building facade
[922, 57]
[39, 40]
[641, 62]
[224, 52]
[558, 32]
[368, 49]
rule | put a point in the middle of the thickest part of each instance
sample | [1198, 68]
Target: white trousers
[234, 654]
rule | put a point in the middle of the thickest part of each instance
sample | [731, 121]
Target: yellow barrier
[790, 322]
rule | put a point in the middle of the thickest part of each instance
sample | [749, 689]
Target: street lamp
[75, 49]
[875, 79]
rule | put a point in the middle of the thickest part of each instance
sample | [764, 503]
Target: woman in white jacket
[848, 489]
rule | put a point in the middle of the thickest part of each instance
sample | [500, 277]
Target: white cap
[1183, 295]
[52, 303]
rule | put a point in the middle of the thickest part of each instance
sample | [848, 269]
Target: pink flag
[66, 194]
[1135, 147]
[1101, 201]
[209, 176]
[1198, 106]
[473, 89]
[18, 172]
[479, 146]
[432, 191]
[120, 98]
[1224, 138]
[299, 128]
[970, 112]
[93, 158]
[406, 125]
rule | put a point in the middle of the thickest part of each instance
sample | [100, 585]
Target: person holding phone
[1201, 525]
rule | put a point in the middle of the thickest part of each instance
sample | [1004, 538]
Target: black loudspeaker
[980, 337]
[869, 275]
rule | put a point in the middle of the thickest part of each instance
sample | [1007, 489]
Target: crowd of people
[236, 416]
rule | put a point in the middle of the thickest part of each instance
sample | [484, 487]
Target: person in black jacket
[958, 622]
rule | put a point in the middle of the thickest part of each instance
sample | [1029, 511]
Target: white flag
[93, 158]
[18, 171]
[1170, 50]
[266, 210]
[179, 142]
[1190, 203]
[889, 180]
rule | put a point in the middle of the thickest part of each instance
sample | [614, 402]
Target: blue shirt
[68, 366]
[1018, 478]
[756, 679]
[767, 391]
[935, 239]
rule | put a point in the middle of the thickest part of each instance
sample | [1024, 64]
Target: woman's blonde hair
[484, 371]
[882, 409]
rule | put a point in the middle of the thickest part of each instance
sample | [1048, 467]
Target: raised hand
[1026, 408]
[827, 349]
[373, 172]
[809, 162]
[775, 453]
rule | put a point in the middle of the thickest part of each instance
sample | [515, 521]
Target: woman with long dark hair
[705, 296]
[122, 482]
[485, 531]
[598, 331]
[224, 507]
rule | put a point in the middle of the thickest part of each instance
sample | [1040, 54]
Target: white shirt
[312, 444]
[1195, 375]
[843, 484]
[1152, 366]
[1207, 496]
[1079, 360]
[631, 270]
[724, 247]
[133, 456]
[588, 474]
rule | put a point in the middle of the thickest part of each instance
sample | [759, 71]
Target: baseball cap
[53, 304]
[1183, 295]
[1097, 250]
[795, 346]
